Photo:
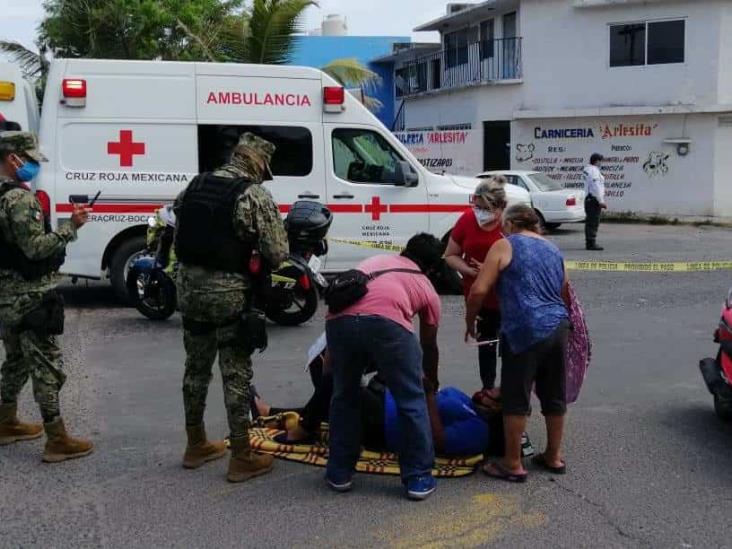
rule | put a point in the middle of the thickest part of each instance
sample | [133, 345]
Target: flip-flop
[502, 473]
[540, 461]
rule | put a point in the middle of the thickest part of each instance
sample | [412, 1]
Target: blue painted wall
[318, 51]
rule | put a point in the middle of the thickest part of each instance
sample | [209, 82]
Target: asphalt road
[649, 464]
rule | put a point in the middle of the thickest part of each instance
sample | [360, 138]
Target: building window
[486, 39]
[457, 44]
[627, 45]
[293, 157]
[653, 43]
[666, 41]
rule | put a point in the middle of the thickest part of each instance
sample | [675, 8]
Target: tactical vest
[205, 234]
[13, 258]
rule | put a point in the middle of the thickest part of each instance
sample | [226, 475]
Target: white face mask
[483, 217]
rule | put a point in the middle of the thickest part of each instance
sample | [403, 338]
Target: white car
[554, 204]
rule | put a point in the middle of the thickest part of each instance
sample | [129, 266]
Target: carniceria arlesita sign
[644, 170]
[445, 151]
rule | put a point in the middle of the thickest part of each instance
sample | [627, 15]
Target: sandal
[500, 472]
[540, 461]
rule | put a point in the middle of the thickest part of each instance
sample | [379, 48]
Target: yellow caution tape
[384, 246]
[588, 266]
[661, 267]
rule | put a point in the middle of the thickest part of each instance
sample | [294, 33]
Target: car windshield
[545, 183]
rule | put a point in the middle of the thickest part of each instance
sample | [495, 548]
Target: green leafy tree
[265, 33]
[353, 74]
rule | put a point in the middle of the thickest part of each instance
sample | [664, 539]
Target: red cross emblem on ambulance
[376, 208]
[126, 148]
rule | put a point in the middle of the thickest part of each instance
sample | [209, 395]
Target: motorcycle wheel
[301, 309]
[723, 408]
[156, 302]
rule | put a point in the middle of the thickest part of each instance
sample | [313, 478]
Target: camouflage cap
[24, 143]
[253, 145]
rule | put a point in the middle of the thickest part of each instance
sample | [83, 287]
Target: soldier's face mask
[25, 170]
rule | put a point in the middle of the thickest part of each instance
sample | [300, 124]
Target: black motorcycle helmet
[308, 222]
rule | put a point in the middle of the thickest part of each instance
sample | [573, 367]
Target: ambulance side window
[293, 157]
[364, 156]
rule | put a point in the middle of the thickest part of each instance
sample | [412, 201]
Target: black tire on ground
[161, 304]
[552, 226]
[723, 408]
[305, 304]
[120, 264]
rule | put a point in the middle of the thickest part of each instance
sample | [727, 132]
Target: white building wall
[567, 76]
[725, 55]
[566, 55]
[723, 167]
[644, 173]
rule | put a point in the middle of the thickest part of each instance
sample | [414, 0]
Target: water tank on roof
[335, 25]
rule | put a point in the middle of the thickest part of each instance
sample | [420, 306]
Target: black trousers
[593, 212]
[489, 324]
[317, 408]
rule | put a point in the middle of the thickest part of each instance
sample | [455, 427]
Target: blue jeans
[355, 343]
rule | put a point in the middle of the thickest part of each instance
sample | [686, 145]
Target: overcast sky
[19, 18]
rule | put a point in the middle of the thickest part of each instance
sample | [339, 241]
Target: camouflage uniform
[219, 298]
[28, 355]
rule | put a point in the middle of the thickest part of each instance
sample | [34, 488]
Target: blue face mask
[28, 171]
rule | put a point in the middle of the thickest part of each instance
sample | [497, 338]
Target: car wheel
[552, 226]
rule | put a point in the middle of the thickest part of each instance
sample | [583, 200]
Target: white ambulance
[140, 131]
[17, 98]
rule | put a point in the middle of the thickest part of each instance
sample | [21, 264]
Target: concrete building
[541, 84]
[331, 42]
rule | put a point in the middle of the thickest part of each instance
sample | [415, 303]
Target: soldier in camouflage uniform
[30, 255]
[213, 287]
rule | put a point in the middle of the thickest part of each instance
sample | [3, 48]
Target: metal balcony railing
[476, 63]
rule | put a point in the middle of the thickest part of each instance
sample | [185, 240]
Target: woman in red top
[471, 238]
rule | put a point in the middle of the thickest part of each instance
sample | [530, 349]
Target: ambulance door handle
[308, 195]
[344, 195]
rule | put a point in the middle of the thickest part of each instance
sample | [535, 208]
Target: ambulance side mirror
[405, 175]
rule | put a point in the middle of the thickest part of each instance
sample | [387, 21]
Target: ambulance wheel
[723, 408]
[552, 226]
[301, 309]
[120, 265]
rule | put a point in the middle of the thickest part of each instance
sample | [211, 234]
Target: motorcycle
[717, 372]
[293, 290]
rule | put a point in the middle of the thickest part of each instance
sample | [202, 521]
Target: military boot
[12, 430]
[60, 446]
[245, 464]
[200, 450]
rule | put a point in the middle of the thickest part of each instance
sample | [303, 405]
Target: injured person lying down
[460, 426]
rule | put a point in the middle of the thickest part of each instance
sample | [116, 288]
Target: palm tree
[352, 74]
[265, 34]
[34, 66]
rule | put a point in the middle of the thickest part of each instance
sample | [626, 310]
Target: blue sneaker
[339, 483]
[419, 488]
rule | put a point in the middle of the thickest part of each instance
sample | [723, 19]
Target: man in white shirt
[594, 200]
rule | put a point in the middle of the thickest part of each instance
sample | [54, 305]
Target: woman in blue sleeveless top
[528, 272]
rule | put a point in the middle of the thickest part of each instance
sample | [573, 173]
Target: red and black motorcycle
[717, 372]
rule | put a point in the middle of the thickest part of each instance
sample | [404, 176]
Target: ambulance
[139, 131]
[17, 98]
